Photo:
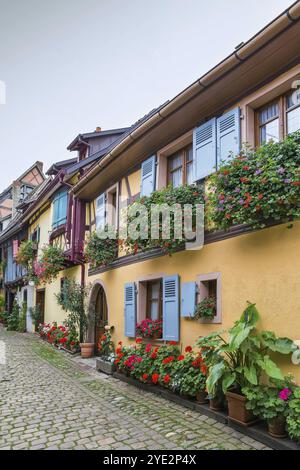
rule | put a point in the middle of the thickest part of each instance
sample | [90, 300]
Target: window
[269, 123]
[25, 191]
[154, 300]
[107, 208]
[60, 203]
[293, 112]
[209, 285]
[180, 167]
[279, 118]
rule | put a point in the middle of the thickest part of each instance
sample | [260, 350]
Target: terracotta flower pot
[237, 410]
[87, 349]
[276, 427]
[201, 397]
[216, 404]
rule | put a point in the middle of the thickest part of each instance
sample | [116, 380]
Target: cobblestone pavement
[48, 402]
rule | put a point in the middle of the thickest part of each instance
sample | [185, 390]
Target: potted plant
[271, 402]
[105, 363]
[149, 328]
[293, 421]
[206, 309]
[101, 248]
[74, 302]
[239, 361]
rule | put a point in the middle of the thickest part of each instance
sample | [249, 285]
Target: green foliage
[4, 317]
[2, 302]
[101, 250]
[48, 267]
[74, 302]
[167, 197]
[264, 400]
[240, 360]
[105, 345]
[257, 187]
[13, 317]
[26, 254]
[22, 318]
[206, 308]
[293, 419]
[192, 382]
[36, 315]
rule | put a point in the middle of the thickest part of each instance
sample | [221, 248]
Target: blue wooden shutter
[148, 176]
[188, 299]
[60, 203]
[171, 308]
[228, 135]
[100, 211]
[204, 149]
[62, 211]
[130, 309]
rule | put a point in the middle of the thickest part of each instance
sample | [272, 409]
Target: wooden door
[40, 301]
[101, 317]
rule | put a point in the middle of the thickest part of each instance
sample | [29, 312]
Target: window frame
[203, 292]
[149, 301]
[58, 202]
[183, 153]
[283, 111]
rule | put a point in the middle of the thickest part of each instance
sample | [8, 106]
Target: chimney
[98, 129]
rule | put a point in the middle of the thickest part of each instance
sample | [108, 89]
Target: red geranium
[188, 349]
[145, 376]
[172, 343]
[138, 340]
[181, 357]
[155, 378]
[167, 378]
[153, 355]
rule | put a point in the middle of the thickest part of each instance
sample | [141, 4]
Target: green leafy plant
[193, 382]
[74, 302]
[13, 317]
[36, 315]
[167, 197]
[105, 345]
[206, 308]
[26, 254]
[22, 318]
[293, 418]
[48, 267]
[99, 250]
[269, 401]
[240, 360]
[257, 187]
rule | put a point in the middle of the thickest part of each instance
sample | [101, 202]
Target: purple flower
[220, 209]
[258, 172]
[241, 202]
[237, 190]
[287, 181]
[281, 170]
[284, 394]
[221, 202]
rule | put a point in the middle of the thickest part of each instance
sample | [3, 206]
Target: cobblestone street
[49, 402]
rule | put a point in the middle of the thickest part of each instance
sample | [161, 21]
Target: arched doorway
[98, 314]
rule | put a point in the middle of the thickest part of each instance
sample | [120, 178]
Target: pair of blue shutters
[216, 141]
[170, 308]
[60, 205]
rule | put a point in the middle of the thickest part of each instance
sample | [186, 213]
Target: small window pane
[154, 313]
[175, 161]
[293, 120]
[189, 173]
[189, 154]
[270, 132]
[176, 178]
[268, 113]
[293, 99]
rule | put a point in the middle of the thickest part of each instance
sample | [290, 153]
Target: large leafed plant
[240, 359]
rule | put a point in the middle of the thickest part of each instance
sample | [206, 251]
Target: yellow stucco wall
[262, 267]
[53, 312]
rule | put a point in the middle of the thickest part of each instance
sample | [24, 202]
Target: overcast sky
[72, 65]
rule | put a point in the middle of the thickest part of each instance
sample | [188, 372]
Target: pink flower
[284, 394]
[148, 348]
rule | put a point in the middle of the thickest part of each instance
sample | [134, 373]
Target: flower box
[105, 366]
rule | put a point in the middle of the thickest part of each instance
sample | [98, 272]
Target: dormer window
[25, 191]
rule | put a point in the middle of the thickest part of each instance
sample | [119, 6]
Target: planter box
[104, 366]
